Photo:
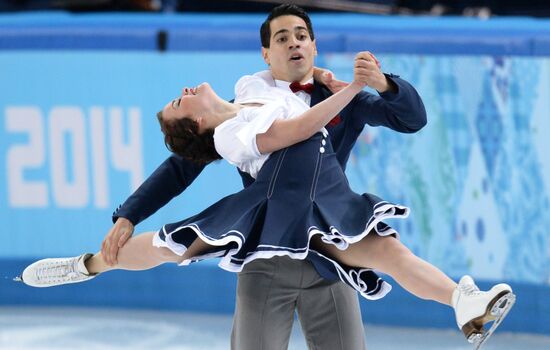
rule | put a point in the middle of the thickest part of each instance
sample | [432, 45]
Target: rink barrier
[335, 33]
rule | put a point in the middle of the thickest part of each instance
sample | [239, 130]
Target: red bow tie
[307, 88]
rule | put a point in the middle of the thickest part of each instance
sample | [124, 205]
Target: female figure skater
[299, 187]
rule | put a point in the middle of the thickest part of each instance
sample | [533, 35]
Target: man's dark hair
[283, 10]
[182, 137]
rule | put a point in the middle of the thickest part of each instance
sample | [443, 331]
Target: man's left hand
[370, 68]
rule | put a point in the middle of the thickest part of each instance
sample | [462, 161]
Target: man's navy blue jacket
[402, 111]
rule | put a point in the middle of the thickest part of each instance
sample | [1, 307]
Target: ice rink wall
[78, 134]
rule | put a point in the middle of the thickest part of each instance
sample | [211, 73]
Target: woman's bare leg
[390, 256]
[139, 254]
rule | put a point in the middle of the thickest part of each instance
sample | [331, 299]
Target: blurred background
[537, 8]
[81, 82]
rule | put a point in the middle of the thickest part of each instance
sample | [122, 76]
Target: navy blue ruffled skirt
[301, 191]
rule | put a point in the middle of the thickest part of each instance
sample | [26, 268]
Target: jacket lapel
[319, 93]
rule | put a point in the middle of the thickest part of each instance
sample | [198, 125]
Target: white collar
[285, 84]
[268, 78]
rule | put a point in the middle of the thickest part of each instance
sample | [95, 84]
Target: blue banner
[78, 134]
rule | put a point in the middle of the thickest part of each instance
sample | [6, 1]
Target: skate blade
[498, 312]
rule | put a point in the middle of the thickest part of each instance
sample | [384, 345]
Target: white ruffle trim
[383, 210]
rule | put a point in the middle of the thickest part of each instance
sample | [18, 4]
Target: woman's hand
[326, 77]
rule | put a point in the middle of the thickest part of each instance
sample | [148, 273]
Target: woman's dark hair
[283, 10]
[182, 137]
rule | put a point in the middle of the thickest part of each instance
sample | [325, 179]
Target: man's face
[291, 51]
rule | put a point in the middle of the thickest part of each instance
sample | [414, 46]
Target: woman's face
[193, 104]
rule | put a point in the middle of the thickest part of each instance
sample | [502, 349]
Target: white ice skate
[474, 309]
[54, 272]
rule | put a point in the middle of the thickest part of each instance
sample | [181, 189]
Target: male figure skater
[269, 291]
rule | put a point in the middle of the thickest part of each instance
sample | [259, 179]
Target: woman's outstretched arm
[287, 132]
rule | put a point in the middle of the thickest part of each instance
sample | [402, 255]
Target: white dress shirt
[235, 139]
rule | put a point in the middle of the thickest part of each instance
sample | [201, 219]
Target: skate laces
[469, 289]
[58, 270]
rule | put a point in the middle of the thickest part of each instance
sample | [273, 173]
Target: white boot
[53, 272]
[474, 308]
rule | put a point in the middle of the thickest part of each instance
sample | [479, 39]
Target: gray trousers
[270, 290]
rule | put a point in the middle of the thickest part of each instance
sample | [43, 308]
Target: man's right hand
[118, 235]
